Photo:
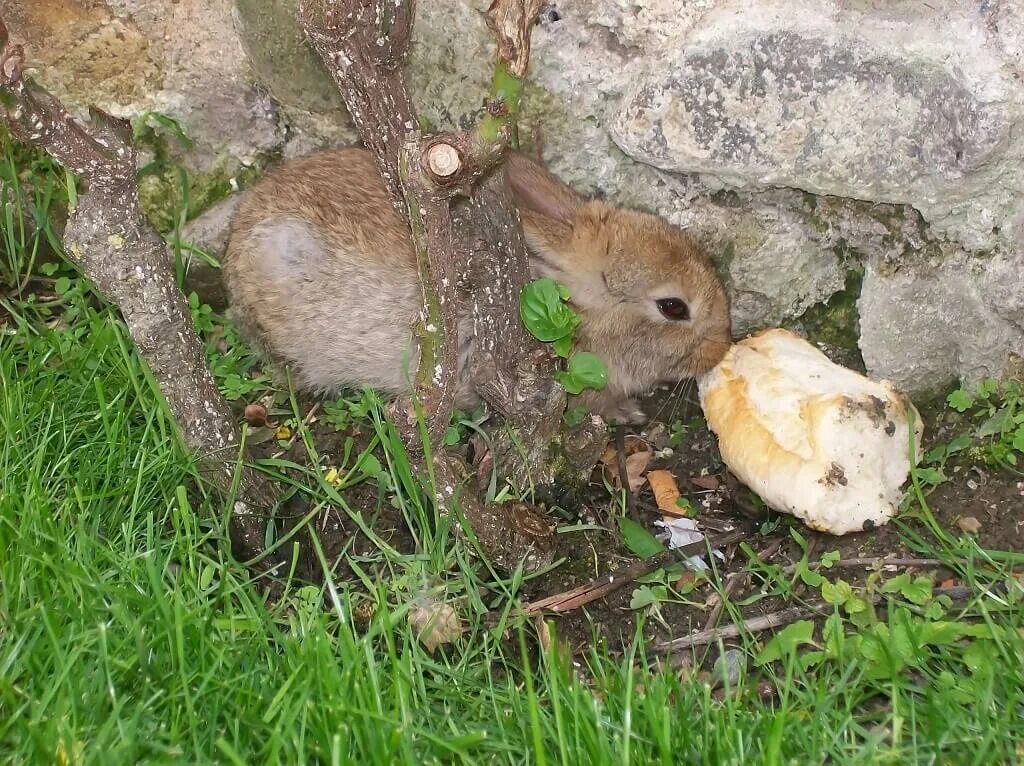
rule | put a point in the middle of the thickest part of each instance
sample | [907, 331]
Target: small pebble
[728, 668]
[256, 415]
[969, 524]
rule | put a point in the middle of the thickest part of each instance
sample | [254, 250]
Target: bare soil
[994, 498]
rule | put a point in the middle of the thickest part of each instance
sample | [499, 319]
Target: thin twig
[869, 562]
[736, 581]
[606, 584]
[957, 594]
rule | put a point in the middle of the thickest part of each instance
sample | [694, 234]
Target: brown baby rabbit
[320, 273]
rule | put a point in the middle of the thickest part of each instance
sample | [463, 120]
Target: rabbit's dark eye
[674, 309]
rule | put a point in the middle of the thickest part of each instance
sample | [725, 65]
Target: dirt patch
[683, 445]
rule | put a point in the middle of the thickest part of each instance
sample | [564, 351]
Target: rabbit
[320, 274]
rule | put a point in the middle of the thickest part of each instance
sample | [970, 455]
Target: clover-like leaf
[585, 370]
[960, 400]
[544, 312]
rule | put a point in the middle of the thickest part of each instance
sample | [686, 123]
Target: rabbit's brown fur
[320, 273]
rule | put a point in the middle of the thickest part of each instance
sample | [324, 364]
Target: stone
[128, 57]
[882, 104]
[290, 71]
[208, 233]
[803, 143]
[926, 325]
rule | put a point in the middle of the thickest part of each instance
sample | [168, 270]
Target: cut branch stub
[455, 162]
[443, 161]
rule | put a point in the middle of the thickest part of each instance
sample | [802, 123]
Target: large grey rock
[925, 325]
[178, 57]
[908, 103]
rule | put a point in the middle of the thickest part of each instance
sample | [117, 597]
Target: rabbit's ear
[537, 191]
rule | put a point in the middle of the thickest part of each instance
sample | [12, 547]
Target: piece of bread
[812, 438]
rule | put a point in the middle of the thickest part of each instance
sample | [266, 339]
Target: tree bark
[114, 247]
[364, 45]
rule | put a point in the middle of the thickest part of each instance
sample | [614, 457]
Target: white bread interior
[812, 438]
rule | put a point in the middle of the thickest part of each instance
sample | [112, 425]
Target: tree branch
[107, 238]
[364, 45]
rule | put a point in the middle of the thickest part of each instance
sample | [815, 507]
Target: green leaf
[62, 285]
[916, 591]
[832, 635]
[563, 346]
[451, 436]
[684, 504]
[856, 605]
[1018, 439]
[838, 592]
[919, 591]
[808, 575]
[940, 633]
[49, 268]
[930, 475]
[987, 387]
[902, 643]
[370, 465]
[586, 370]
[872, 648]
[979, 656]
[786, 642]
[163, 120]
[863, 618]
[544, 313]
[960, 400]
[996, 424]
[656, 577]
[829, 559]
[960, 443]
[206, 576]
[641, 542]
[647, 595]
[810, 659]
[935, 610]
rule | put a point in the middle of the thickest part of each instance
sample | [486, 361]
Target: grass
[128, 635]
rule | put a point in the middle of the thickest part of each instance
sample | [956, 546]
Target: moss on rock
[836, 322]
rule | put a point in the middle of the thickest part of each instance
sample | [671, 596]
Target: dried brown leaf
[610, 455]
[435, 623]
[687, 578]
[666, 492]
[636, 467]
[705, 482]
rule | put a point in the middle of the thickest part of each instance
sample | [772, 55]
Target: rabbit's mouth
[709, 353]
